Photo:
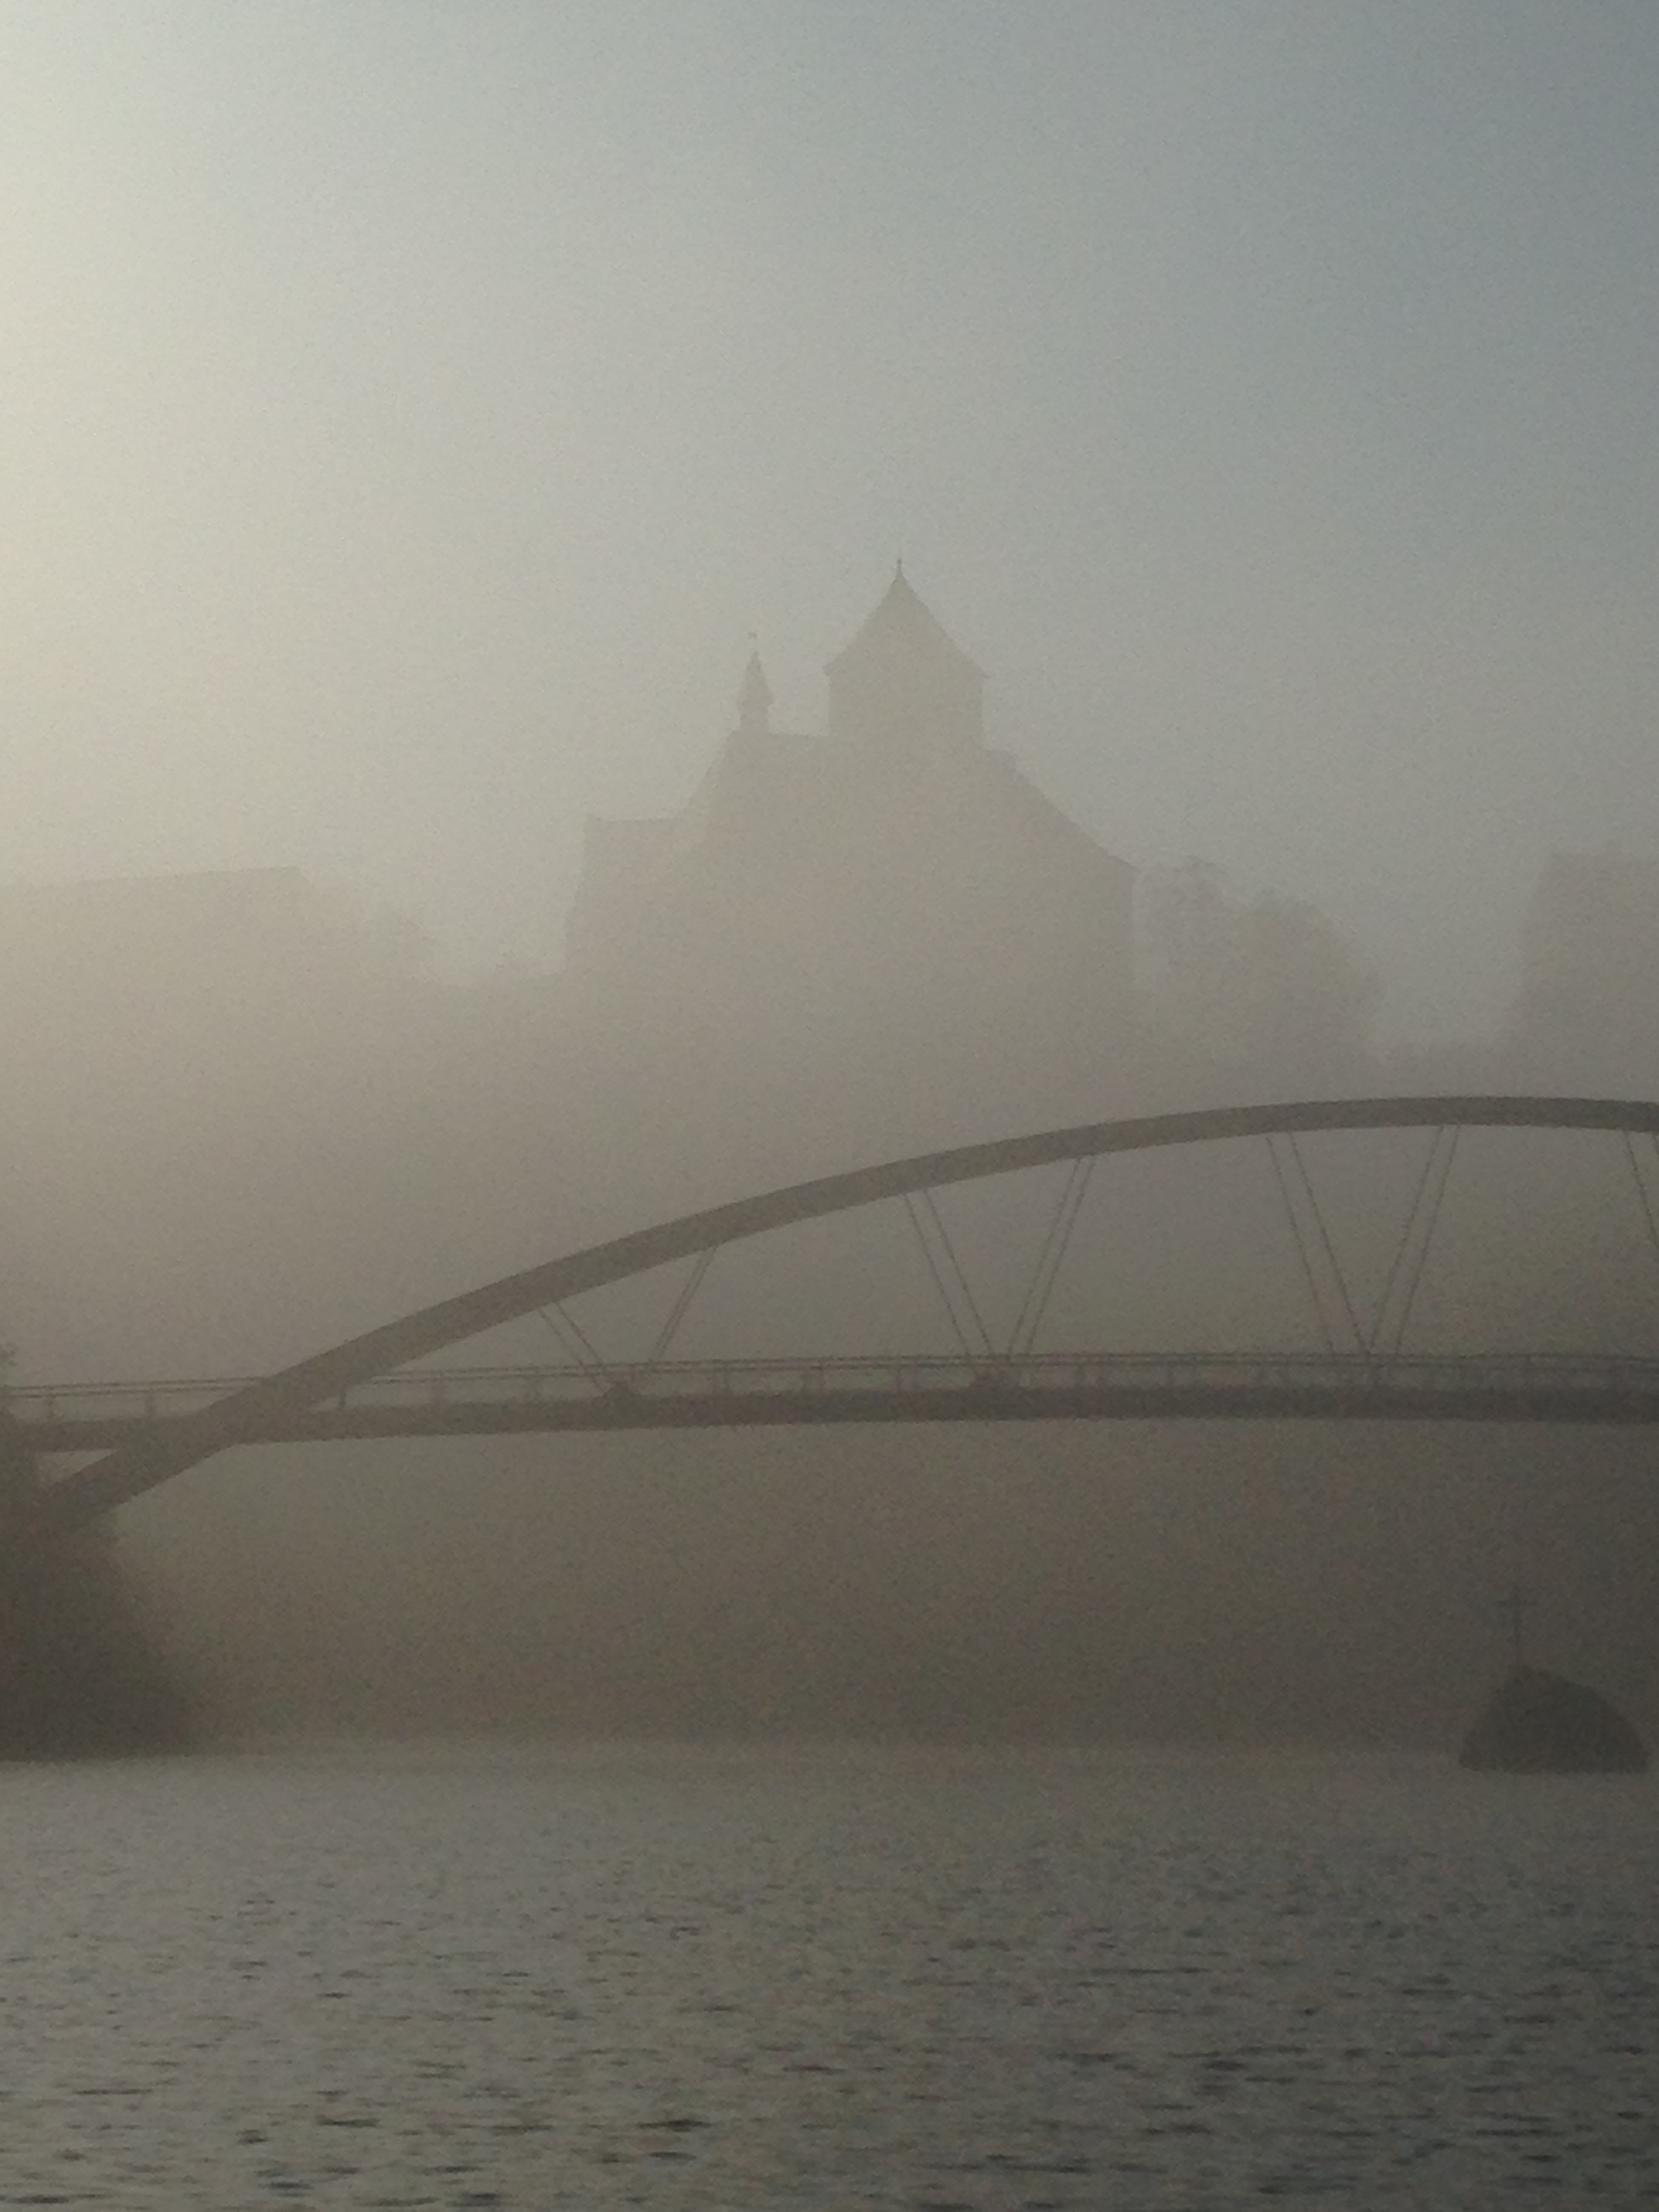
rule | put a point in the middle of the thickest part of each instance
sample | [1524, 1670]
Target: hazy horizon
[414, 409]
[966, 1698]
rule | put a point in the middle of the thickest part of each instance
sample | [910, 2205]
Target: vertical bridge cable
[1406, 1244]
[957, 1269]
[1332, 1261]
[569, 1335]
[682, 1306]
[1302, 1254]
[1641, 1188]
[1449, 1155]
[1035, 1304]
[940, 1282]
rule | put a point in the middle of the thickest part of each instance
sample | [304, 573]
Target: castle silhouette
[894, 879]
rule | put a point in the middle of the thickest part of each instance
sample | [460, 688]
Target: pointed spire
[902, 622]
[754, 699]
[904, 685]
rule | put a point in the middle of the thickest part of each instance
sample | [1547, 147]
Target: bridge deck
[743, 1393]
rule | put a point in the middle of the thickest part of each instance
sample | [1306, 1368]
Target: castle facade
[894, 889]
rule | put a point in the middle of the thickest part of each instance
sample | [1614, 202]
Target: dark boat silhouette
[1537, 1722]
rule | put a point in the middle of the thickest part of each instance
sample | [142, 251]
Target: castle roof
[901, 628]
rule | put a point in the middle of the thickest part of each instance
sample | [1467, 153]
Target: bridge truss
[367, 1387]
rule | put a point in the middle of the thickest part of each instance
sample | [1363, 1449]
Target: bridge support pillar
[20, 1596]
[19, 1469]
[78, 1673]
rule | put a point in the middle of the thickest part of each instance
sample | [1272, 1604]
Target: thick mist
[283, 1130]
[412, 410]
[413, 414]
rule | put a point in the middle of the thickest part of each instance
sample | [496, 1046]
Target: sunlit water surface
[459, 1977]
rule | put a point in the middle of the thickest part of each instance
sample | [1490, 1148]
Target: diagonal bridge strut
[277, 1404]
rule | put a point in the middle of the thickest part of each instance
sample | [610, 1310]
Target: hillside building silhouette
[893, 889]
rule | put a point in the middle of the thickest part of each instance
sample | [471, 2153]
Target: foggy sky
[411, 408]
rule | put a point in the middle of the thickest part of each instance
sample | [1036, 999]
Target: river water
[461, 1976]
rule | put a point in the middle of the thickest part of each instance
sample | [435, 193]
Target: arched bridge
[366, 1387]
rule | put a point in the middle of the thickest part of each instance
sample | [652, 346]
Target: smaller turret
[755, 700]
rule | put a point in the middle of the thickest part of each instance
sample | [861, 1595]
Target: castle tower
[895, 896]
[902, 689]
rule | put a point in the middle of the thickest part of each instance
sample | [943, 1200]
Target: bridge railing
[412, 1388]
